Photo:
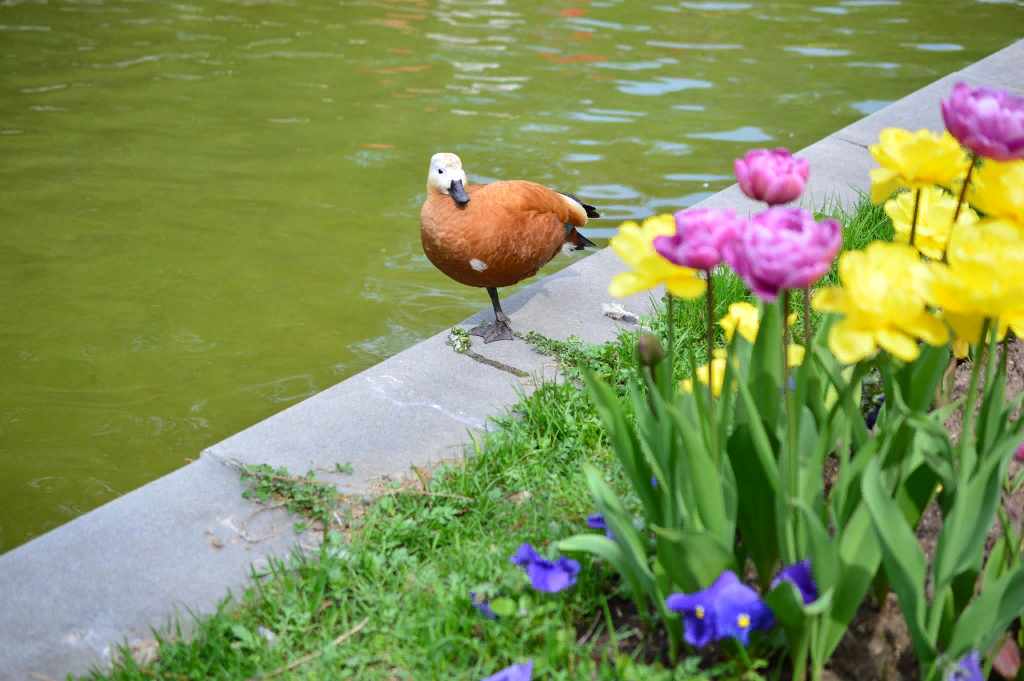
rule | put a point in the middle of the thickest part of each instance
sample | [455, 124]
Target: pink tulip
[775, 177]
[1019, 454]
[988, 122]
[783, 248]
[699, 238]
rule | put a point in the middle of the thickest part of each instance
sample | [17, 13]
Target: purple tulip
[1019, 454]
[968, 668]
[774, 177]
[725, 609]
[783, 248]
[596, 522]
[515, 672]
[989, 122]
[546, 575]
[483, 606]
[699, 237]
[800, 575]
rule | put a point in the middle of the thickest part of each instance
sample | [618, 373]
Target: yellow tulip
[794, 358]
[997, 189]
[634, 244]
[743, 317]
[984, 278]
[718, 366]
[934, 216]
[915, 160]
[961, 348]
[882, 304]
[1015, 320]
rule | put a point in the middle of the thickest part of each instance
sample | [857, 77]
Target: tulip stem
[807, 318]
[670, 354]
[711, 378]
[913, 220]
[959, 205]
[711, 336]
[791, 453]
[967, 425]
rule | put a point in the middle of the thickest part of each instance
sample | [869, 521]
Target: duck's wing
[522, 196]
[591, 211]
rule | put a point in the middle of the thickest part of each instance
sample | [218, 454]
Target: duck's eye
[440, 172]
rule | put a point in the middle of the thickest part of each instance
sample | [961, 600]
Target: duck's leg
[500, 329]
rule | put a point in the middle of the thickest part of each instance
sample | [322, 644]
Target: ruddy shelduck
[494, 235]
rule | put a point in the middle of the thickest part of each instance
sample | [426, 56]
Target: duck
[497, 234]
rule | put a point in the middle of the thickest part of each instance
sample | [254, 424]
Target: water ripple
[817, 51]
[747, 133]
[659, 86]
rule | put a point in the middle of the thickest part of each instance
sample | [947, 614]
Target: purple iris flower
[968, 668]
[596, 522]
[483, 606]
[654, 482]
[727, 608]
[872, 417]
[515, 672]
[741, 611]
[800, 575]
[546, 575]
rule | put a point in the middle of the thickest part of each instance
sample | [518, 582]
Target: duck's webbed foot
[499, 330]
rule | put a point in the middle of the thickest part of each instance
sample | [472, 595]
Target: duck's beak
[458, 192]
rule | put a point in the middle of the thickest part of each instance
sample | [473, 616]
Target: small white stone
[478, 265]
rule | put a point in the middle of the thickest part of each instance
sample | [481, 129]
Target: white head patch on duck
[447, 177]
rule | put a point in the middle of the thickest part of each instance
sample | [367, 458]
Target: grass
[392, 599]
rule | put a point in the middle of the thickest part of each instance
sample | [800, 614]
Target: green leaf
[859, 557]
[984, 620]
[693, 558]
[904, 561]
[756, 512]
[705, 478]
[762, 445]
[964, 529]
[991, 418]
[995, 566]
[503, 607]
[824, 558]
[766, 363]
[788, 605]
[920, 379]
[625, 443]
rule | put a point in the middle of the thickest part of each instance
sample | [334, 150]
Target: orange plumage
[494, 235]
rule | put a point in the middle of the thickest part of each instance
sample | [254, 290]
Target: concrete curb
[112, 573]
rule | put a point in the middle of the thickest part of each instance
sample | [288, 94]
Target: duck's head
[447, 177]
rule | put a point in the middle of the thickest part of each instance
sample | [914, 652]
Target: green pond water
[210, 209]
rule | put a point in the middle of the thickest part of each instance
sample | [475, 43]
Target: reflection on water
[210, 210]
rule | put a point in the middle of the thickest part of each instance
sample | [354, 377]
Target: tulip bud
[650, 350]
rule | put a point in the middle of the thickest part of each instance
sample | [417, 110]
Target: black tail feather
[591, 211]
[584, 242]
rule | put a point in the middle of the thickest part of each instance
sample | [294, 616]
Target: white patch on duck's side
[568, 249]
[478, 265]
